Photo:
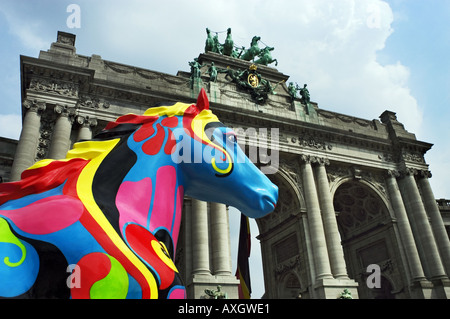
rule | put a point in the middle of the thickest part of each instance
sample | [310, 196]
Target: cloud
[26, 27]
[330, 45]
[336, 55]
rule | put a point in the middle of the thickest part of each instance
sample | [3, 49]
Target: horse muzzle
[263, 203]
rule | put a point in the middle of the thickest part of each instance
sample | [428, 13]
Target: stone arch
[282, 251]
[372, 186]
[386, 289]
[368, 236]
[289, 180]
[358, 205]
[290, 286]
[290, 197]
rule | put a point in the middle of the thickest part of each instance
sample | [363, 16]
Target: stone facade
[353, 192]
[7, 150]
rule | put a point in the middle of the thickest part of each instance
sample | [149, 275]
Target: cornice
[37, 66]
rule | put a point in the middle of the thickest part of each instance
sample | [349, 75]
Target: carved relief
[65, 38]
[412, 157]
[90, 102]
[45, 136]
[145, 74]
[286, 266]
[346, 119]
[310, 141]
[69, 89]
[287, 254]
[386, 157]
[292, 168]
[336, 173]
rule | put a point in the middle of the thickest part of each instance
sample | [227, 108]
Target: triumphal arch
[355, 210]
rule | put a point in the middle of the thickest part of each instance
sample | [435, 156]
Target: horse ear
[202, 101]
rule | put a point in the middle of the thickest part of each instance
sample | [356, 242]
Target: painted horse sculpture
[104, 221]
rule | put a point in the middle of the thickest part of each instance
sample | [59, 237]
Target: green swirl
[6, 236]
[114, 285]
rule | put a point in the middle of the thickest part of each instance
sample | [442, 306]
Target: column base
[421, 289]
[441, 289]
[195, 289]
[332, 288]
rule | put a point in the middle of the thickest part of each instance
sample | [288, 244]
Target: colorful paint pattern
[104, 222]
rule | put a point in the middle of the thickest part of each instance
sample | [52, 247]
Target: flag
[243, 269]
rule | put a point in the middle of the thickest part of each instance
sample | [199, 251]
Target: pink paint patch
[178, 293]
[133, 201]
[47, 215]
[162, 212]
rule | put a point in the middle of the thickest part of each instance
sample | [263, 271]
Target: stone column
[200, 238]
[404, 228]
[437, 224]
[86, 125]
[220, 240]
[421, 227]
[29, 138]
[335, 251]
[61, 133]
[318, 241]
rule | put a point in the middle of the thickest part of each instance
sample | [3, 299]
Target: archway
[283, 247]
[289, 287]
[367, 236]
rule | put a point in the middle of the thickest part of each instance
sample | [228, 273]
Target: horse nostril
[268, 203]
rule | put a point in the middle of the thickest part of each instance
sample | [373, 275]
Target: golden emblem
[253, 80]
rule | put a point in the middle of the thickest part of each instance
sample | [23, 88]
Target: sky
[358, 57]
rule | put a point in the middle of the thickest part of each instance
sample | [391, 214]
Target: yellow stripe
[84, 190]
[173, 110]
[244, 288]
[198, 127]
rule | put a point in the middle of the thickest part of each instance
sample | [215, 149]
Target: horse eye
[232, 138]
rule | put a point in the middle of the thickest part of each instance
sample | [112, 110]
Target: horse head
[255, 40]
[205, 155]
[224, 174]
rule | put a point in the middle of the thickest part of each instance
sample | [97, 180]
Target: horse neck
[151, 195]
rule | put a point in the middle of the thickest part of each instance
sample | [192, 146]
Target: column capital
[305, 159]
[408, 171]
[424, 173]
[393, 173]
[34, 105]
[64, 110]
[86, 120]
[310, 159]
[322, 161]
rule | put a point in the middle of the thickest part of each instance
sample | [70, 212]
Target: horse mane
[49, 173]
